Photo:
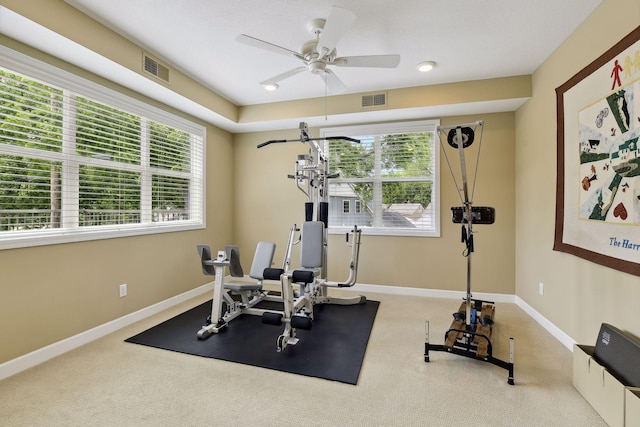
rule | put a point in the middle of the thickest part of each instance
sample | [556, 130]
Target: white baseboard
[430, 293]
[557, 333]
[43, 354]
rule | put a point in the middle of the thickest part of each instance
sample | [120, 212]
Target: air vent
[155, 68]
[374, 100]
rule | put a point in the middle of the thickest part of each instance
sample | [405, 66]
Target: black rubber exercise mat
[332, 349]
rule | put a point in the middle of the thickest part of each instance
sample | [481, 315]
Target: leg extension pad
[272, 318]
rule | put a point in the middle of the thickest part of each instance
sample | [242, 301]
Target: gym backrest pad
[311, 249]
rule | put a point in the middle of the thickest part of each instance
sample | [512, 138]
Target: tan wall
[268, 204]
[50, 293]
[476, 91]
[578, 295]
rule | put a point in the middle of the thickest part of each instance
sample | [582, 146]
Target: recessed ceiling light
[423, 67]
[270, 86]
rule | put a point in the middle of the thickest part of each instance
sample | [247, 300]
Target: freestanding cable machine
[472, 326]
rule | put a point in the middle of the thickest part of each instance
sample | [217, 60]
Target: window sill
[59, 236]
[370, 231]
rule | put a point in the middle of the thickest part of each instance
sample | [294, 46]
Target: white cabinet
[617, 405]
[632, 407]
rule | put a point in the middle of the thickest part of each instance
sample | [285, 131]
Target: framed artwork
[598, 170]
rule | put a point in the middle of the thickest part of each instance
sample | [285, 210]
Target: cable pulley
[466, 134]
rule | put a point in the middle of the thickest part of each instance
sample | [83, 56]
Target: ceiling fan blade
[374, 61]
[252, 41]
[333, 83]
[280, 77]
[337, 24]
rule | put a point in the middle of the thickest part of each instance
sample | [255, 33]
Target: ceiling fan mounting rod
[316, 26]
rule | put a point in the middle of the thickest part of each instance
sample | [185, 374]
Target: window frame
[393, 128]
[49, 74]
[358, 206]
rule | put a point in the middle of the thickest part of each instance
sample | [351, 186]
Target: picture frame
[598, 160]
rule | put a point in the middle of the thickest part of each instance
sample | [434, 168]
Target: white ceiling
[469, 39]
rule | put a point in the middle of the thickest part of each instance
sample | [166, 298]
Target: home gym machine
[472, 326]
[311, 177]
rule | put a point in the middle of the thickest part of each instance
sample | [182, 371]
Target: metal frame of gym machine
[478, 314]
[311, 176]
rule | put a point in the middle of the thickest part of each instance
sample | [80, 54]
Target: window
[345, 206]
[80, 162]
[391, 176]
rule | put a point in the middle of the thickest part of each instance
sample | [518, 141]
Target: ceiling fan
[318, 54]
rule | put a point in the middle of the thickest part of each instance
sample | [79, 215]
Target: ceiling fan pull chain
[325, 98]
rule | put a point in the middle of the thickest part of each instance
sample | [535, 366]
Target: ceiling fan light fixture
[426, 66]
[270, 86]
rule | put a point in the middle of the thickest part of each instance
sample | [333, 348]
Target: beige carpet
[112, 383]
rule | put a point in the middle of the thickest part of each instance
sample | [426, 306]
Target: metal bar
[509, 366]
[467, 207]
[327, 138]
[426, 341]
[478, 123]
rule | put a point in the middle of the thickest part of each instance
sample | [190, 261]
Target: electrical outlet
[541, 288]
[123, 290]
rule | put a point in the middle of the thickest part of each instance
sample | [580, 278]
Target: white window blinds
[73, 161]
[391, 175]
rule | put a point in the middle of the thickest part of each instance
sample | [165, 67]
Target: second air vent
[156, 69]
[374, 100]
